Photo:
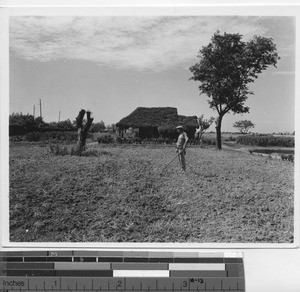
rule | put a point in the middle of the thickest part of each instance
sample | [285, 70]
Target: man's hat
[179, 127]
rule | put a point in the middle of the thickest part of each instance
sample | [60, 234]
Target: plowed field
[121, 195]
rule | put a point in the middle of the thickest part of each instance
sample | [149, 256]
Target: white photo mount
[8, 13]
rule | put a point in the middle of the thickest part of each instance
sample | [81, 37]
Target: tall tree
[226, 67]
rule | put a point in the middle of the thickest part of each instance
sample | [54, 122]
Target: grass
[118, 194]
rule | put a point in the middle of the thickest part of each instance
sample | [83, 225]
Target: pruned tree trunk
[82, 130]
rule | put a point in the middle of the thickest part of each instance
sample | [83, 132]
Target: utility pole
[59, 117]
[41, 108]
[34, 111]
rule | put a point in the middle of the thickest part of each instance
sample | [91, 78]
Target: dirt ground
[121, 195]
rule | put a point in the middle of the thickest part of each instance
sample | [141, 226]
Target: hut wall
[148, 132]
[173, 134]
[191, 132]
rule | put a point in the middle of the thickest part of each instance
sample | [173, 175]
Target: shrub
[152, 140]
[62, 125]
[193, 141]
[209, 140]
[33, 136]
[97, 127]
[17, 130]
[20, 123]
[129, 140]
[119, 140]
[168, 141]
[160, 140]
[106, 139]
[15, 139]
[60, 136]
[266, 141]
[58, 149]
[66, 136]
[137, 140]
[231, 138]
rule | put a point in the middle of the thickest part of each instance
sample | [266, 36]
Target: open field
[121, 195]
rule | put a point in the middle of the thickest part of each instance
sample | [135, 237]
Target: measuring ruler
[45, 271]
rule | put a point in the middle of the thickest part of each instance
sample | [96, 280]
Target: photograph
[151, 128]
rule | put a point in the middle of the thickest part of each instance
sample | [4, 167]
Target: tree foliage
[20, 124]
[111, 128]
[97, 127]
[203, 125]
[243, 126]
[226, 67]
[19, 119]
[65, 125]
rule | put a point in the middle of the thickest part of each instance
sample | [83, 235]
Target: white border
[131, 9]
[142, 3]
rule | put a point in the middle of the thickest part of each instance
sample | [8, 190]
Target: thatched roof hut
[157, 121]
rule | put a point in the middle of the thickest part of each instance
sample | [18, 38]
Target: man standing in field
[181, 145]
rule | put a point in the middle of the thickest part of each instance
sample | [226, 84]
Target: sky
[111, 65]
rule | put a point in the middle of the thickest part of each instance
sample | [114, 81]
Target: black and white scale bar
[125, 284]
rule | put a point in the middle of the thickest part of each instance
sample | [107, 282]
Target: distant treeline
[21, 130]
[71, 136]
[20, 124]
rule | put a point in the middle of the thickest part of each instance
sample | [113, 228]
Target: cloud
[155, 43]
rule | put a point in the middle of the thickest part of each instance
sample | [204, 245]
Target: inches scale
[43, 271]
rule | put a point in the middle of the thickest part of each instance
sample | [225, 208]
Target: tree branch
[79, 119]
[89, 121]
